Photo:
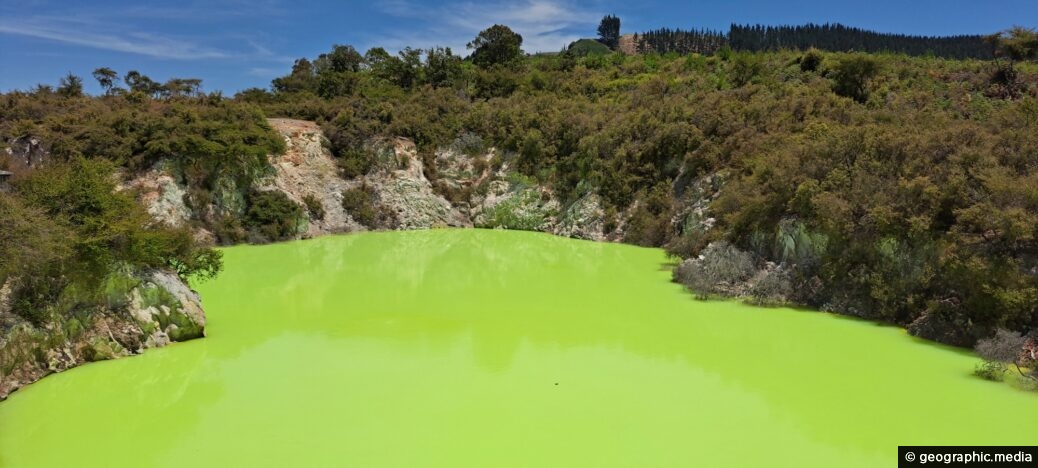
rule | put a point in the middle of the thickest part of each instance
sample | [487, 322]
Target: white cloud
[546, 25]
[81, 32]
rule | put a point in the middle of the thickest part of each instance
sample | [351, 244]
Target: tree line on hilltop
[830, 37]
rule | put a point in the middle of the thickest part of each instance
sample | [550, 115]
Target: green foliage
[811, 60]
[314, 207]
[362, 204]
[205, 140]
[106, 79]
[69, 234]
[917, 208]
[442, 68]
[71, 86]
[746, 67]
[1016, 44]
[585, 47]
[30, 240]
[496, 45]
[341, 59]
[522, 211]
[650, 224]
[271, 216]
[609, 31]
[852, 75]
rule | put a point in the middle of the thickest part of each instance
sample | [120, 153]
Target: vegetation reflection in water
[495, 348]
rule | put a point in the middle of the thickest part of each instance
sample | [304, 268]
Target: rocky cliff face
[153, 309]
[401, 187]
[307, 169]
[143, 310]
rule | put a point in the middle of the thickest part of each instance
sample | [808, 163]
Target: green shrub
[314, 207]
[745, 68]
[355, 163]
[990, 370]
[362, 204]
[811, 60]
[228, 230]
[852, 75]
[271, 216]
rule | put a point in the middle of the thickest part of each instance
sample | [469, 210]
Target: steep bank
[143, 310]
[466, 190]
[86, 273]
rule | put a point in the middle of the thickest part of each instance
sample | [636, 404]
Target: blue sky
[236, 44]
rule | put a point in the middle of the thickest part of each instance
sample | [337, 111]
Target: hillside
[893, 188]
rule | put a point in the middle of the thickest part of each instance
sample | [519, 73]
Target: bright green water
[493, 348]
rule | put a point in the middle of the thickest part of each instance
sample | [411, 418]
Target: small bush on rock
[314, 207]
[271, 216]
[362, 204]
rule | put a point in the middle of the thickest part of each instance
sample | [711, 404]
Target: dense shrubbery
[214, 145]
[66, 229]
[205, 137]
[270, 216]
[890, 187]
[314, 208]
[887, 186]
[362, 204]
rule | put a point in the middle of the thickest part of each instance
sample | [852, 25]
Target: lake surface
[498, 348]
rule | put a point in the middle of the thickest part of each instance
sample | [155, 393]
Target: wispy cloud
[180, 32]
[546, 25]
[87, 33]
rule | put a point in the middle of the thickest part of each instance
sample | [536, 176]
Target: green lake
[496, 348]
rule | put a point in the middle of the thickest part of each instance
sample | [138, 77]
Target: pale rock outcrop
[166, 309]
[307, 168]
[402, 188]
[515, 206]
[158, 308]
[27, 152]
[583, 219]
[162, 196]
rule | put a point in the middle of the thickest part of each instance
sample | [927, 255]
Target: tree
[442, 68]
[1017, 44]
[609, 31]
[811, 60]
[141, 83]
[496, 45]
[375, 58]
[29, 238]
[852, 76]
[342, 58]
[302, 78]
[334, 84]
[176, 87]
[106, 78]
[405, 70]
[71, 86]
